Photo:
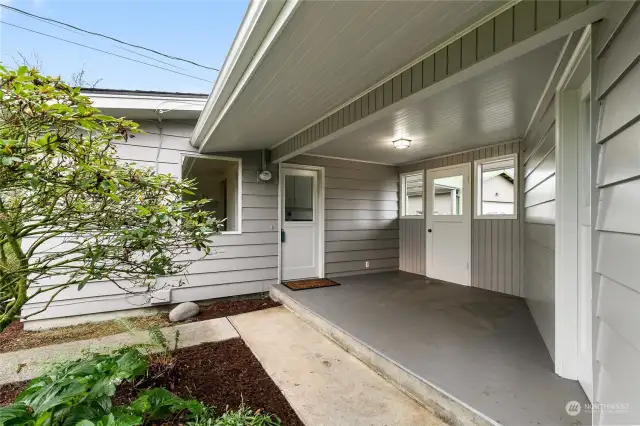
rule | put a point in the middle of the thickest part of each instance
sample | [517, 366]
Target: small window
[298, 202]
[447, 196]
[218, 180]
[497, 188]
[412, 194]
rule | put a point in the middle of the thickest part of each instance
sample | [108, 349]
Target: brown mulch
[220, 374]
[307, 284]
[226, 308]
[9, 392]
[14, 338]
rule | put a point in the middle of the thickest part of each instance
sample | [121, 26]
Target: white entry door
[449, 224]
[585, 273]
[300, 233]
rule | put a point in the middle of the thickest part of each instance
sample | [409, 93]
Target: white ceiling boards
[493, 107]
[329, 52]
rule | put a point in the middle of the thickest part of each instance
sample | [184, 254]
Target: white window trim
[477, 208]
[403, 192]
[239, 194]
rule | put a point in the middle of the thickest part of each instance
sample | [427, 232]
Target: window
[412, 194]
[447, 196]
[497, 188]
[218, 180]
[298, 199]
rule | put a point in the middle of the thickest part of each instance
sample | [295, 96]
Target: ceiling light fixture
[401, 143]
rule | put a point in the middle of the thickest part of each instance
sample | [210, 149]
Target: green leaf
[16, 414]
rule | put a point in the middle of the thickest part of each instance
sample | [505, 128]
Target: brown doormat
[307, 284]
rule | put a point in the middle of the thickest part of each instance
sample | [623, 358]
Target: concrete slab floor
[29, 363]
[479, 346]
[325, 385]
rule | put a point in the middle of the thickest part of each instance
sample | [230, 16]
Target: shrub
[61, 185]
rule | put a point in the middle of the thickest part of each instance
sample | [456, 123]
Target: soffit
[331, 51]
[493, 107]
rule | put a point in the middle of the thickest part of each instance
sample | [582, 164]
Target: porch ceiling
[490, 108]
[329, 52]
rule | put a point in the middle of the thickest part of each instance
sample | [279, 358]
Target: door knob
[429, 230]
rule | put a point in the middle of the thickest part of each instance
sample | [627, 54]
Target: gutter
[262, 24]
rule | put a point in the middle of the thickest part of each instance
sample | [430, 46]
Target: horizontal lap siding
[539, 165]
[617, 292]
[495, 243]
[361, 216]
[238, 264]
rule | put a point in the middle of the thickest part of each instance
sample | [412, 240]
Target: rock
[184, 311]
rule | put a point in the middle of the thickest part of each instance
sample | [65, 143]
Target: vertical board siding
[239, 264]
[539, 192]
[513, 25]
[617, 292]
[495, 243]
[413, 248]
[361, 215]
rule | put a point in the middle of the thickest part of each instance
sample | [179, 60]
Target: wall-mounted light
[401, 143]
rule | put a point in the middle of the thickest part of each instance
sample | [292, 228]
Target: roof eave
[262, 23]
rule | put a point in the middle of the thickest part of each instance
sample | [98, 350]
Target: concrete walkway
[29, 363]
[324, 384]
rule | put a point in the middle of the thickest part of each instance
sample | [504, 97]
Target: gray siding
[617, 290]
[513, 25]
[413, 247]
[539, 172]
[239, 264]
[361, 216]
[495, 243]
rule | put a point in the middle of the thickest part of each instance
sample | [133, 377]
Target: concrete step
[447, 407]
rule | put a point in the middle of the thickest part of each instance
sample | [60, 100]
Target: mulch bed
[9, 392]
[221, 374]
[226, 308]
[14, 338]
[307, 284]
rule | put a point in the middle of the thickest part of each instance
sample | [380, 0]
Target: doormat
[307, 284]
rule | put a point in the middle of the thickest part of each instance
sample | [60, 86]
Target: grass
[30, 339]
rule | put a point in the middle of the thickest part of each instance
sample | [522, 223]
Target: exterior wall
[495, 243]
[617, 287]
[239, 264]
[539, 167]
[361, 216]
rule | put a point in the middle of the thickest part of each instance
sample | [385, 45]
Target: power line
[104, 51]
[42, 18]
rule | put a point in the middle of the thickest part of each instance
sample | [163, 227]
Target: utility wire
[116, 46]
[42, 18]
[104, 51]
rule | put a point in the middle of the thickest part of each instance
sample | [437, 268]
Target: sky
[198, 30]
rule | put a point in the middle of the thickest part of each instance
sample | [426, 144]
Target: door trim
[319, 203]
[567, 109]
[467, 200]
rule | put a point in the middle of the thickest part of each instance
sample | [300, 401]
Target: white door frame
[567, 109]
[319, 203]
[467, 203]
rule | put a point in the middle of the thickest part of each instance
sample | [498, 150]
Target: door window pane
[298, 198]
[447, 196]
[412, 193]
